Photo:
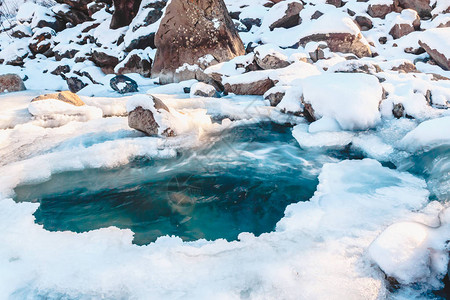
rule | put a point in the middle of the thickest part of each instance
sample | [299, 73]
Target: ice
[428, 134]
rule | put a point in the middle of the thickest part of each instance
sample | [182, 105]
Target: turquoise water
[240, 181]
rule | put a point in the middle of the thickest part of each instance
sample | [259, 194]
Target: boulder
[422, 7]
[405, 67]
[337, 3]
[105, 59]
[355, 66]
[290, 14]
[250, 22]
[252, 83]
[73, 16]
[270, 57]
[192, 31]
[21, 31]
[142, 111]
[11, 83]
[64, 96]
[136, 61]
[61, 70]
[408, 21]
[123, 84]
[77, 4]
[275, 95]
[124, 12]
[201, 89]
[381, 10]
[436, 43]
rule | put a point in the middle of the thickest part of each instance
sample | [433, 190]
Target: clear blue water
[240, 181]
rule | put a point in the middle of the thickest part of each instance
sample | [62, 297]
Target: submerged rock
[64, 96]
[192, 36]
[11, 83]
[123, 84]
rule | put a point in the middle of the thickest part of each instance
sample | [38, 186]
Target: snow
[351, 99]
[51, 108]
[201, 86]
[428, 134]
[438, 39]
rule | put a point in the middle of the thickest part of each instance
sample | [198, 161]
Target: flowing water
[239, 181]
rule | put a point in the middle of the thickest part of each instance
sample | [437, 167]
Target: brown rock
[337, 3]
[437, 54]
[41, 41]
[364, 23]
[189, 31]
[247, 87]
[406, 67]
[143, 120]
[11, 83]
[381, 10]
[275, 97]
[124, 12]
[75, 84]
[64, 96]
[422, 7]
[341, 42]
[270, 61]
[135, 63]
[402, 29]
[104, 60]
[398, 110]
[291, 16]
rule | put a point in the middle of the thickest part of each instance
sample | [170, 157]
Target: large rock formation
[11, 83]
[193, 35]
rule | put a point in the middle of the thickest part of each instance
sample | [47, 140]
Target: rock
[355, 66]
[316, 50]
[136, 61]
[341, 42]
[317, 14]
[75, 84]
[337, 3]
[348, 40]
[124, 12]
[252, 83]
[364, 23]
[398, 111]
[41, 41]
[11, 83]
[73, 16]
[21, 31]
[422, 7]
[437, 44]
[381, 10]
[65, 96]
[240, 27]
[104, 59]
[405, 67]
[275, 95]
[61, 70]
[141, 42]
[203, 90]
[250, 22]
[192, 31]
[408, 21]
[141, 115]
[123, 84]
[77, 4]
[270, 57]
[290, 11]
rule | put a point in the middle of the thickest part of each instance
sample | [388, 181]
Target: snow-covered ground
[371, 222]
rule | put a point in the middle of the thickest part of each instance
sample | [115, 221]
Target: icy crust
[354, 201]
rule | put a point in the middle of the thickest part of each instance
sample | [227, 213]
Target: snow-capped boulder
[339, 32]
[21, 31]
[352, 99]
[64, 96]
[193, 31]
[405, 23]
[270, 57]
[428, 134]
[436, 43]
[380, 8]
[201, 89]
[404, 66]
[137, 61]
[61, 70]
[70, 15]
[422, 7]
[41, 41]
[105, 59]
[285, 14]
[11, 83]
[149, 114]
[76, 83]
[252, 83]
[123, 84]
[412, 252]
[355, 66]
